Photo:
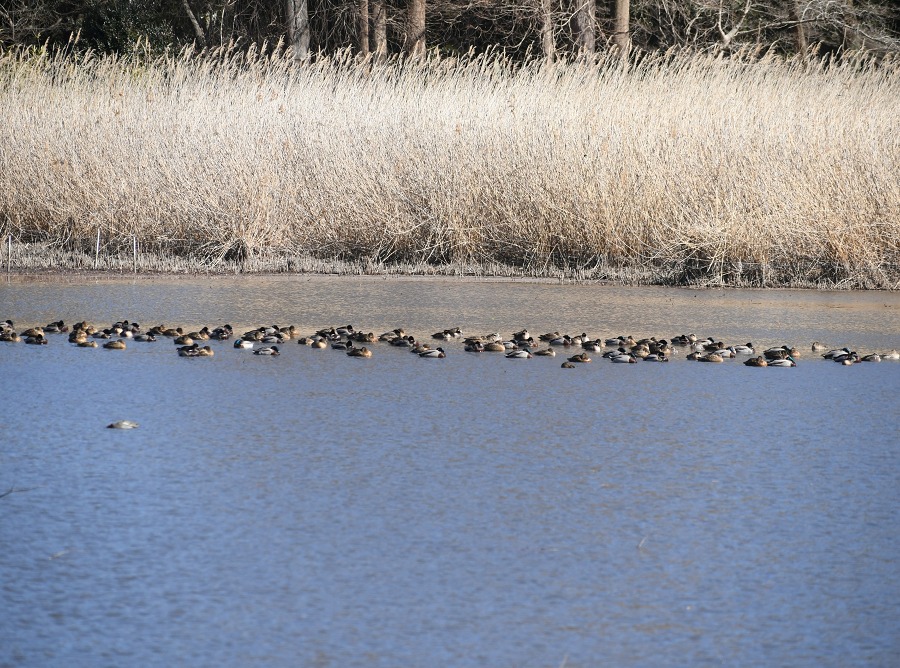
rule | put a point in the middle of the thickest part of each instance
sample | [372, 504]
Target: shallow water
[313, 509]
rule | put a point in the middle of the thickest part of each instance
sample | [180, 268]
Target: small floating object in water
[567, 365]
[123, 424]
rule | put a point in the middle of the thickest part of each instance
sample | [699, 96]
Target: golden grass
[677, 169]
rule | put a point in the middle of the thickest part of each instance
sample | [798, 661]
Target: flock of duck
[265, 340]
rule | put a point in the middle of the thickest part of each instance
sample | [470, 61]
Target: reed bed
[677, 169]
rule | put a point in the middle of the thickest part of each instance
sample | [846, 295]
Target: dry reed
[684, 169]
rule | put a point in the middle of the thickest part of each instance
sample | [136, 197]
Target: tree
[548, 40]
[622, 36]
[298, 28]
[585, 26]
[414, 44]
[379, 24]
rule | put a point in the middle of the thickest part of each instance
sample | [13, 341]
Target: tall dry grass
[679, 169]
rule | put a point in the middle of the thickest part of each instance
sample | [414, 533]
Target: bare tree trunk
[298, 28]
[379, 23]
[622, 38]
[363, 26]
[850, 41]
[415, 29]
[800, 27]
[198, 31]
[585, 22]
[548, 42]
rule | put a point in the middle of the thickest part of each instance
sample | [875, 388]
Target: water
[318, 510]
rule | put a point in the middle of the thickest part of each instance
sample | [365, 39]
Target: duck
[784, 361]
[359, 352]
[36, 340]
[837, 351]
[84, 343]
[549, 336]
[579, 340]
[626, 358]
[656, 357]
[172, 332]
[362, 337]
[222, 333]
[243, 344]
[290, 331]
[711, 357]
[661, 347]
[818, 346]
[593, 346]
[9, 336]
[436, 353]
[522, 335]
[268, 350]
[778, 353]
[549, 352]
[340, 345]
[756, 361]
[145, 338]
[474, 347]
[684, 339]
[420, 348]
[781, 352]
[123, 424]
[393, 334]
[495, 347]
[346, 330]
[404, 341]
[189, 350]
[205, 351]
[34, 331]
[845, 356]
[746, 349]
[319, 344]
[695, 355]
[118, 344]
[202, 335]
[874, 357]
[581, 358]
[58, 327]
[567, 365]
[519, 355]
[564, 340]
[447, 334]
[183, 340]
[891, 355]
